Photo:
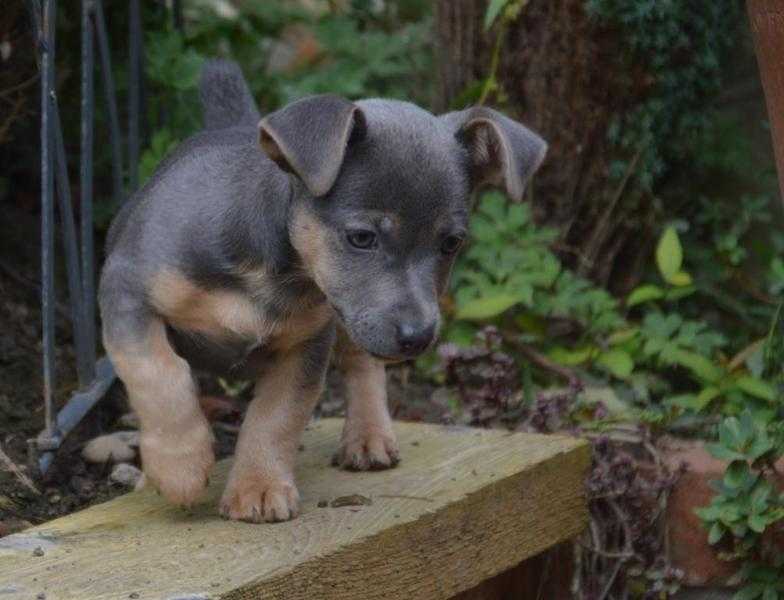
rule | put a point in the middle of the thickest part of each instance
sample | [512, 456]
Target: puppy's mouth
[386, 359]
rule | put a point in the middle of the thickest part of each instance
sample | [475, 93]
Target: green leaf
[618, 362]
[493, 10]
[697, 364]
[622, 335]
[680, 279]
[571, 357]
[738, 475]
[669, 254]
[749, 592]
[487, 307]
[644, 293]
[758, 523]
[715, 534]
[770, 593]
[756, 387]
[676, 293]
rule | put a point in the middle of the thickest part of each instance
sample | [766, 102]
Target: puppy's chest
[265, 318]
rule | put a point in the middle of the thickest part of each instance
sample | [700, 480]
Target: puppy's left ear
[503, 152]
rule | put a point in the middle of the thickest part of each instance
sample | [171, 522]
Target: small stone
[129, 420]
[133, 595]
[115, 447]
[55, 498]
[38, 551]
[125, 474]
[40, 596]
[322, 503]
[301, 447]
[415, 443]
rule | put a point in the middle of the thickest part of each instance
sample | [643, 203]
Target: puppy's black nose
[413, 339]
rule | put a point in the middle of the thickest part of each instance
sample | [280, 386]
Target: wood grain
[463, 506]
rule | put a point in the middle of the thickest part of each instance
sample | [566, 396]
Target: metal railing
[94, 375]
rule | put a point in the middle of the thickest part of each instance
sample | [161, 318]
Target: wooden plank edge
[452, 549]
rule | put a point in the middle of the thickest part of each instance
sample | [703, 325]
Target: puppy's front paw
[257, 499]
[178, 466]
[364, 449]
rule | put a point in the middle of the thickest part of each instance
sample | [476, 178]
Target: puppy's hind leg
[176, 440]
[368, 440]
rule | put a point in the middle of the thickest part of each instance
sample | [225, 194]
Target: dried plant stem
[12, 467]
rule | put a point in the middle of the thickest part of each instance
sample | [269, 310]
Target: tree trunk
[767, 26]
[559, 72]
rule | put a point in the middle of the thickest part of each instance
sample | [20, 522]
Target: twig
[19, 87]
[491, 80]
[20, 475]
[540, 360]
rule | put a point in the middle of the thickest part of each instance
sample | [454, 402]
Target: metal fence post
[47, 210]
[86, 182]
[95, 377]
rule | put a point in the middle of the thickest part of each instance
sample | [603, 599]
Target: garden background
[633, 298]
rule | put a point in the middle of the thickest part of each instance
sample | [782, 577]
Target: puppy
[260, 243]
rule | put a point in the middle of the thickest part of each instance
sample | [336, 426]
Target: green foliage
[676, 47]
[508, 276]
[665, 368]
[747, 503]
[356, 52]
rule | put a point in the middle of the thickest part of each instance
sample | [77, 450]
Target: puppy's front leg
[176, 440]
[368, 440]
[261, 483]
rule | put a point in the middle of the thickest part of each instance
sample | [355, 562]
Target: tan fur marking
[176, 440]
[309, 238]
[368, 441]
[217, 313]
[261, 483]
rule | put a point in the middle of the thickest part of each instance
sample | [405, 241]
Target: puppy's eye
[451, 244]
[362, 239]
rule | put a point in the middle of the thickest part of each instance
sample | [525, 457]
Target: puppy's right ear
[309, 138]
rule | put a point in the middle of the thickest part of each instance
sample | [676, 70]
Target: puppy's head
[383, 204]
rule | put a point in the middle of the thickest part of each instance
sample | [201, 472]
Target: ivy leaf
[644, 293]
[669, 254]
[493, 10]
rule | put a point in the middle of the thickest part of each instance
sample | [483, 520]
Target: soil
[72, 483]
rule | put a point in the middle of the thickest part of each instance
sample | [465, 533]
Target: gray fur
[219, 203]
[225, 97]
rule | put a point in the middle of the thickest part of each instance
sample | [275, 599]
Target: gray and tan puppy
[257, 244]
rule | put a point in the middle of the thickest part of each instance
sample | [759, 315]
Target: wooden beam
[767, 26]
[463, 506]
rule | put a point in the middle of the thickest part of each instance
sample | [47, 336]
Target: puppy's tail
[226, 100]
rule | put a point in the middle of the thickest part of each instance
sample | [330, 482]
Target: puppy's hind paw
[369, 452]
